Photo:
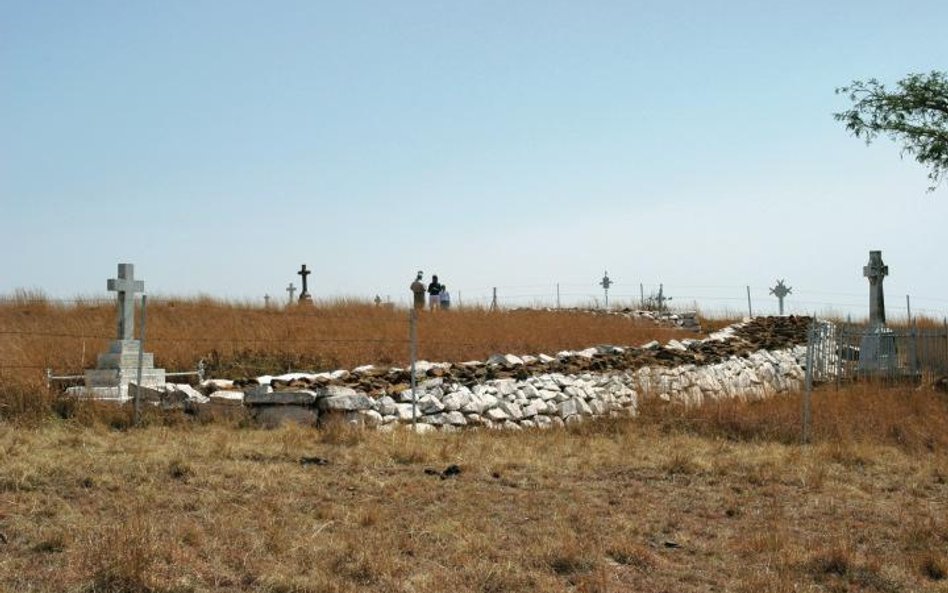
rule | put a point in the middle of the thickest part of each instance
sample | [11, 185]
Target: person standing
[434, 293]
[445, 302]
[418, 291]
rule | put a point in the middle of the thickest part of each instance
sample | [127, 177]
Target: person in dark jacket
[434, 293]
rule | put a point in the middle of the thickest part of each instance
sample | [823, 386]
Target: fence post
[750, 310]
[413, 354]
[808, 380]
[141, 357]
[945, 325]
[557, 295]
[641, 296]
[840, 333]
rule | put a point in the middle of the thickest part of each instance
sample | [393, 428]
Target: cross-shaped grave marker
[876, 271]
[292, 290]
[661, 299]
[605, 283]
[780, 291]
[305, 296]
[126, 286]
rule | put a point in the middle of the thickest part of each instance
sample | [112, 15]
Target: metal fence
[845, 352]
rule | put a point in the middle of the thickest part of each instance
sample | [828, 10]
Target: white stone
[455, 418]
[345, 403]
[496, 415]
[371, 418]
[455, 401]
[543, 422]
[512, 410]
[429, 404]
[505, 387]
[505, 360]
[386, 406]
[533, 408]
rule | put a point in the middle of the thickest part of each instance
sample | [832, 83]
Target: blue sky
[219, 145]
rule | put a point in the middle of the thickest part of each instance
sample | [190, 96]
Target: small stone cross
[605, 283]
[780, 291]
[876, 271]
[661, 298]
[292, 290]
[266, 301]
[304, 296]
[126, 286]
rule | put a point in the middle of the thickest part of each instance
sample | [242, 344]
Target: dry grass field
[37, 334]
[718, 498]
[238, 340]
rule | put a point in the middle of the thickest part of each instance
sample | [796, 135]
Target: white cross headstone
[126, 286]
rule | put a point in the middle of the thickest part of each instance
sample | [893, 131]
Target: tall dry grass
[238, 338]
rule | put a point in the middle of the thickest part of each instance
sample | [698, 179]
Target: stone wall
[516, 392]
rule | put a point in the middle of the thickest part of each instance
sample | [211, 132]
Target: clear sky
[218, 145]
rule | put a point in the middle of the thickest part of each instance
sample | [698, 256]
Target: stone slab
[299, 397]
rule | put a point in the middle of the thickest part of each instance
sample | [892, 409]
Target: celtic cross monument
[877, 349]
[780, 291]
[876, 271]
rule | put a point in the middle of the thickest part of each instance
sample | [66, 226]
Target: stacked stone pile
[680, 319]
[749, 360]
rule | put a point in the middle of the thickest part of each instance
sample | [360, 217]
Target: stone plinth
[117, 368]
[877, 352]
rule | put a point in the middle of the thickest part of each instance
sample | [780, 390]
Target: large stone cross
[876, 271]
[126, 286]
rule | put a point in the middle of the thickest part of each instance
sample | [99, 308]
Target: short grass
[720, 498]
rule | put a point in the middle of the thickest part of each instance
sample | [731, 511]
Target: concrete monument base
[117, 368]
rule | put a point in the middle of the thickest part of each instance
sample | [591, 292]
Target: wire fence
[712, 301]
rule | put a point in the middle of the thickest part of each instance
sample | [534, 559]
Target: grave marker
[605, 283]
[877, 351]
[292, 290]
[780, 291]
[876, 271]
[119, 366]
[304, 295]
[126, 286]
